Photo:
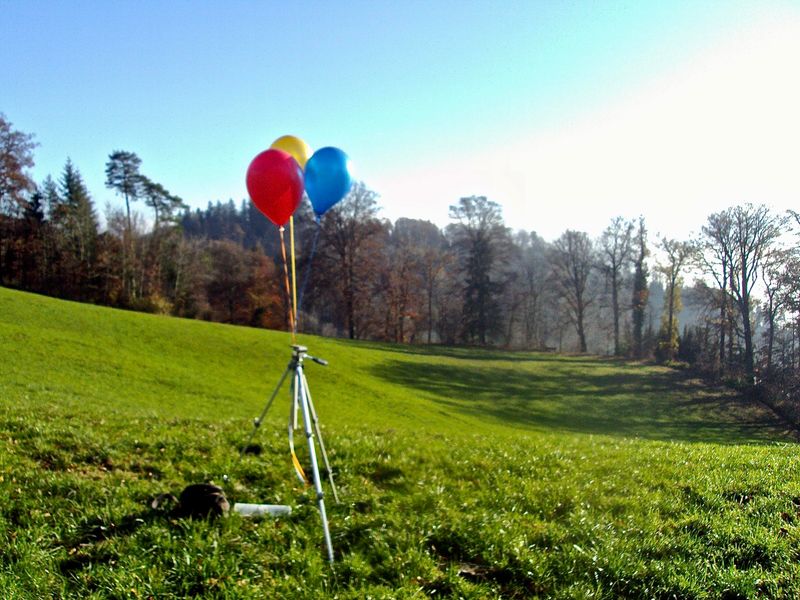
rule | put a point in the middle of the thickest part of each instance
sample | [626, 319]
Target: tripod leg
[304, 405]
[260, 419]
[296, 398]
[319, 438]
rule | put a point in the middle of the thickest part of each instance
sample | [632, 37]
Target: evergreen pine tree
[80, 222]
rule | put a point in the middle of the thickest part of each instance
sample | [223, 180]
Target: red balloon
[275, 184]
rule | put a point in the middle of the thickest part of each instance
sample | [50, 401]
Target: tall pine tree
[80, 225]
[481, 240]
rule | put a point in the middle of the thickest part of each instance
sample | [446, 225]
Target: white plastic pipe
[260, 510]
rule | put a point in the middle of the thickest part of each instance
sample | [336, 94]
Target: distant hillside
[135, 362]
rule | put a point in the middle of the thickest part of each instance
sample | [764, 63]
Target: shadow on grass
[584, 397]
[467, 352]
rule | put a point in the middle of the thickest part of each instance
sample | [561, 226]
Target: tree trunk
[770, 342]
[615, 308]
[723, 324]
[128, 213]
[749, 363]
[581, 332]
[430, 311]
[670, 318]
[351, 328]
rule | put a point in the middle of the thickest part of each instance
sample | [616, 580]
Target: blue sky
[565, 113]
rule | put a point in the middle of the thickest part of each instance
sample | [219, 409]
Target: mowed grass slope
[463, 473]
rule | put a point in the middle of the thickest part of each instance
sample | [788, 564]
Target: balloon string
[286, 279]
[294, 275]
[310, 260]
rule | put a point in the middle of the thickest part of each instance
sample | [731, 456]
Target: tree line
[475, 281]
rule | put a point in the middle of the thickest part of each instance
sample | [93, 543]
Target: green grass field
[462, 473]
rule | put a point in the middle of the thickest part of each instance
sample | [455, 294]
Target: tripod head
[301, 352]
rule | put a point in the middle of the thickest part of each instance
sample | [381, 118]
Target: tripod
[301, 397]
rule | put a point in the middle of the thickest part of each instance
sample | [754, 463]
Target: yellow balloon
[294, 146]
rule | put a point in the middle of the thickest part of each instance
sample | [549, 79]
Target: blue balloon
[327, 178]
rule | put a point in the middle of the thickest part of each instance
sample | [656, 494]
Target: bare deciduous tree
[615, 253]
[754, 231]
[349, 251]
[779, 274]
[16, 157]
[676, 256]
[571, 261]
[715, 257]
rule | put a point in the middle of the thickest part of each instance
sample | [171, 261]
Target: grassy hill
[463, 473]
